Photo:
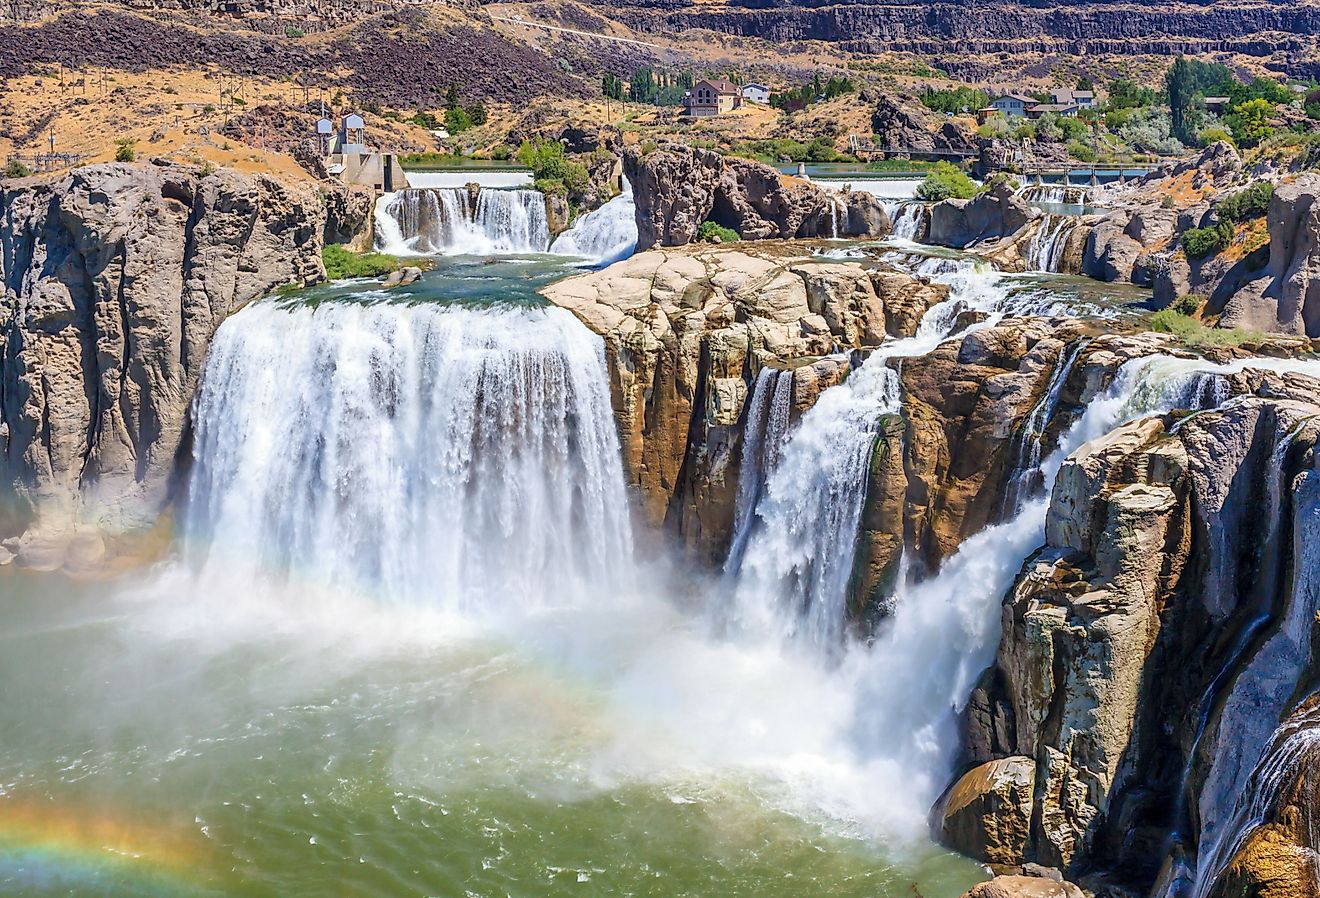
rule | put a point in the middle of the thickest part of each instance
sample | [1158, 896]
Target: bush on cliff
[1250, 202]
[946, 181]
[1191, 332]
[16, 169]
[1201, 242]
[341, 262]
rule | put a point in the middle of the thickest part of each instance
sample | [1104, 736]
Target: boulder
[1014, 886]
[993, 215]
[678, 187]
[986, 814]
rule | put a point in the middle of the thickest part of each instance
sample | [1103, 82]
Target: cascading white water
[1054, 194]
[1047, 246]
[1027, 446]
[444, 220]
[912, 681]
[452, 458]
[604, 235]
[908, 219]
[798, 549]
[763, 437]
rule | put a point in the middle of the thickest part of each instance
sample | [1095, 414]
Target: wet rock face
[677, 187]
[115, 279]
[686, 334]
[1162, 546]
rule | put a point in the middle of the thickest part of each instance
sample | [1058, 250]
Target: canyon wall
[115, 279]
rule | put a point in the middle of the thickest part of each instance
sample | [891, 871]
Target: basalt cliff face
[1149, 650]
[677, 188]
[115, 279]
[1282, 32]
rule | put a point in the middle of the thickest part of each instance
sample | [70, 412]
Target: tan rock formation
[687, 331]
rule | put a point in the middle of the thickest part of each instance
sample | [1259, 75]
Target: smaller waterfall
[1054, 194]
[1046, 249]
[604, 235]
[909, 220]
[797, 550]
[767, 425]
[446, 221]
[1025, 451]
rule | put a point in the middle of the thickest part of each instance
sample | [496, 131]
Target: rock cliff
[1105, 725]
[687, 332]
[115, 279]
[678, 187]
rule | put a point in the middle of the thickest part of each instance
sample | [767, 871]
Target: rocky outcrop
[686, 334]
[993, 215]
[115, 278]
[945, 469]
[902, 128]
[1139, 237]
[677, 187]
[1285, 298]
[1165, 550]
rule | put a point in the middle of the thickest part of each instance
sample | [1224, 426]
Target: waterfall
[1046, 248]
[909, 220]
[1291, 754]
[1027, 445]
[797, 550]
[913, 680]
[604, 235]
[446, 221]
[1235, 797]
[454, 458]
[763, 437]
[1054, 194]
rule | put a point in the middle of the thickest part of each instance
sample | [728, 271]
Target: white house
[756, 93]
[1013, 105]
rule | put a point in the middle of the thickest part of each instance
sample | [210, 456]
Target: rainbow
[50, 848]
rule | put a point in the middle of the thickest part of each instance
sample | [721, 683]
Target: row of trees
[659, 88]
[1251, 104]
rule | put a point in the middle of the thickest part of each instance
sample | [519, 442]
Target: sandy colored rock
[986, 814]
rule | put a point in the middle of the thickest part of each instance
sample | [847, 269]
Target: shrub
[999, 178]
[1193, 333]
[709, 230]
[457, 121]
[341, 262]
[1081, 152]
[1213, 134]
[946, 181]
[1201, 242]
[16, 169]
[548, 162]
[291, 31]
[1250, 202]
[501, 152]
[124, 150]
[1189, 304]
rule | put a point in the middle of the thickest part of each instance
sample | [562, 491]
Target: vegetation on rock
[946, 181]
[710, 232]
[341, 262]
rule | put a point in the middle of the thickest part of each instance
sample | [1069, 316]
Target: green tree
[1250, 121]
[476, 113]
[124, 150]
[457, 121]
[451, 97]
